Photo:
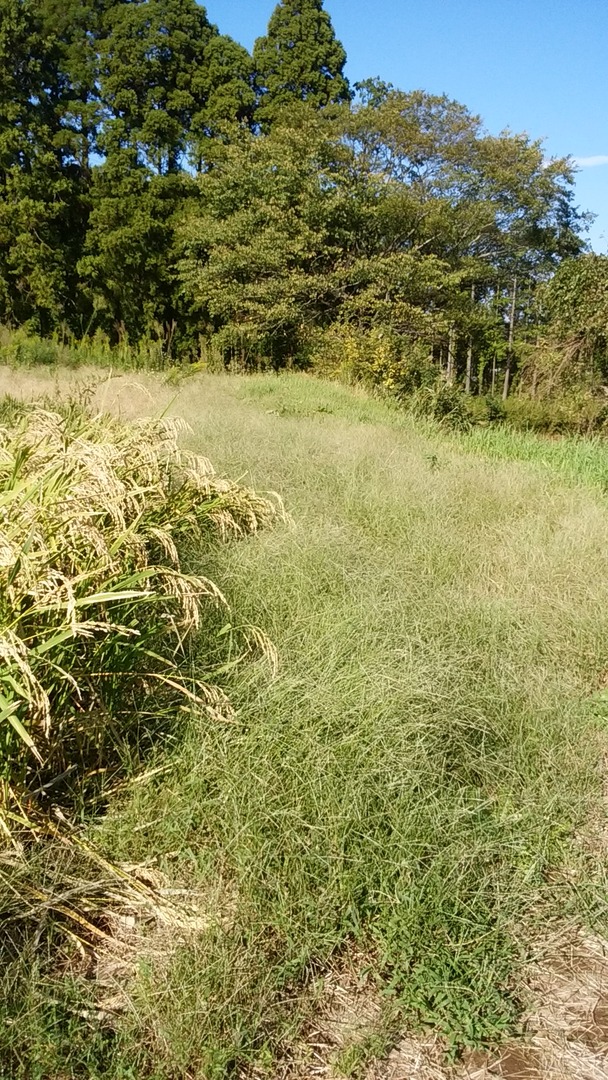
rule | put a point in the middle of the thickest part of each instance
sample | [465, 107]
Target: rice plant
[95, 607]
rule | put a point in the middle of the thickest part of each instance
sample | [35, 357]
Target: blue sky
[538, 66]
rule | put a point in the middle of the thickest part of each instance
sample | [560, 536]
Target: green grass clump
[21, 349]
[409, 785]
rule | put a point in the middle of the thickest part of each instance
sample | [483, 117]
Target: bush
[495, 409]
[576, 413]
[445, 403]
[376, 357]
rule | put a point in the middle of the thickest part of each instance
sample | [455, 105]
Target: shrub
[495, 409]
[376, 357]
[577, 413]
[445, 403]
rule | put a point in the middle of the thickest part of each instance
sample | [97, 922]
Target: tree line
[159, 182]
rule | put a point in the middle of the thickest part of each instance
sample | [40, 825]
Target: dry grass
[93, 513]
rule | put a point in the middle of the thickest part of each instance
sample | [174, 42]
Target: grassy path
[409, 783]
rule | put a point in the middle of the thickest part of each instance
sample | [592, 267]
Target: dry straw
[95, 608]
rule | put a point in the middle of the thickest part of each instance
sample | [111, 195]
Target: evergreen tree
[167, 77]
[128, 269]
[75, 28]
[41, 211]
[167, 81]
[149, 60]
[299, 59]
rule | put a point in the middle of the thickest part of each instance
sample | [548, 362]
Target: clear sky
[539, 66]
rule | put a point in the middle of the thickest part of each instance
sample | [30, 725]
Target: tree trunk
[467, 385]
[535, 372]
[505, 389]
[451, 368]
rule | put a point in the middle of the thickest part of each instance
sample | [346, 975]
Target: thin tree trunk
[467, 385]
[481, 378]
[505, 389]
[451, 368]
[535, 372]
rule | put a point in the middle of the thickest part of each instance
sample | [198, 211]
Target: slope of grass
[411, 779]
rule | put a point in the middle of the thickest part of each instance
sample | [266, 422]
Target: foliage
[267, 246]
[576, 305]
[157, 82]
[128, 263]
[157, 182]
[41, 192]
[400, 217]
[376, 358]
[299, 59]
[102, 107]
[21, 349]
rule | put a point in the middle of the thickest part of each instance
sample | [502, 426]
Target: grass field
[411, 787]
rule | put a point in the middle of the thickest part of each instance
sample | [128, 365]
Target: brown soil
[566, 1032]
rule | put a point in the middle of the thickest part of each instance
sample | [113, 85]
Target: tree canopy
[386, 216]
[299, 59]
[158, 181]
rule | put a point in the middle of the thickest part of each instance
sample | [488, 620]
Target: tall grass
[411, 779]
[409, 787]
[95, 608]
[21, 349]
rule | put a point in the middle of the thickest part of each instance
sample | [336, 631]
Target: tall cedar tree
[168, 81]
[299, 59]
[42, 209]
[166, 77]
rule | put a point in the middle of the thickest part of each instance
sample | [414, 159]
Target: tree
[299, 59]
[128, 267]
[575, 306]
[491, 207]
[166, 73]
[224, 87]
[75, 27]
[168, 81]
[41, 206]
[288, 238]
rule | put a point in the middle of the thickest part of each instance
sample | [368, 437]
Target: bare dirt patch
[565, 1030]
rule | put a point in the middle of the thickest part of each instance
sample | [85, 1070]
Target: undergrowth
[21, 349]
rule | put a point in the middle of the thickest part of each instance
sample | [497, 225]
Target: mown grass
[412, 778]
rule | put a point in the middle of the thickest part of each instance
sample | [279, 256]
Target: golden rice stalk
[92, 515]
